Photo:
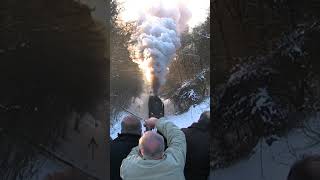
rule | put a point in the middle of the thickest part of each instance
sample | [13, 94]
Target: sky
[198, 8]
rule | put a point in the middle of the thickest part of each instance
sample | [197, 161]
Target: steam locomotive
[156, 107]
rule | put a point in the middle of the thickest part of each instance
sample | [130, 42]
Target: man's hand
[151, 122]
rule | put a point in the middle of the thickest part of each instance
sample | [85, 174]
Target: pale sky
[198, 8]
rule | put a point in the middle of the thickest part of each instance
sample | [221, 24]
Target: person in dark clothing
[306, 169]
[197, 161]
[121, 146]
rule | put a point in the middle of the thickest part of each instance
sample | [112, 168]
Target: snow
[273, 162]
[292, 44]
[199, 76]
[191, 94]
[47, 167]
[263, 101]
[116, 128]
[82, 157]
[183, 120]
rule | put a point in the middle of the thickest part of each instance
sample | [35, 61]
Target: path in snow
[273, 162]
[76, 150]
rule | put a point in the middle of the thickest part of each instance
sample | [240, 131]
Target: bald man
[150, 160]
[131, 130]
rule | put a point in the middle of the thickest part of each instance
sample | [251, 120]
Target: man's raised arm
[176, 140]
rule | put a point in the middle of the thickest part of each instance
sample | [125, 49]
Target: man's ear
[141, 152]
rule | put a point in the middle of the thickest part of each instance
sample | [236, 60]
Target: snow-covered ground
[82, 157]
[274, 162]
[46, 166]
[182, 120]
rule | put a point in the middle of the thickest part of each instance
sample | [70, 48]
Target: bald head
[205, 117]
[131, 125]
[151, 145]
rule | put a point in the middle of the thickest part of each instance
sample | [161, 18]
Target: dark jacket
[119, 149]
[198, 162]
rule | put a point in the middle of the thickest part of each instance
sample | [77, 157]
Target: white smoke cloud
[157, 37]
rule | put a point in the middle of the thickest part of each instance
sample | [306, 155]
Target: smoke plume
[154, 43]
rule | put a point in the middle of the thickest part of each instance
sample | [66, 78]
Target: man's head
[306, 169]
[205, 117]
[131, 125]
[151, 145]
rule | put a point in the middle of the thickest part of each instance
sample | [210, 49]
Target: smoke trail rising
[154, 43]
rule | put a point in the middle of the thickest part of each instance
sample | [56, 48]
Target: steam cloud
[156, 39]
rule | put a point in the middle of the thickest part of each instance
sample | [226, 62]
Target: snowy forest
[188, 80]
[266, 86]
